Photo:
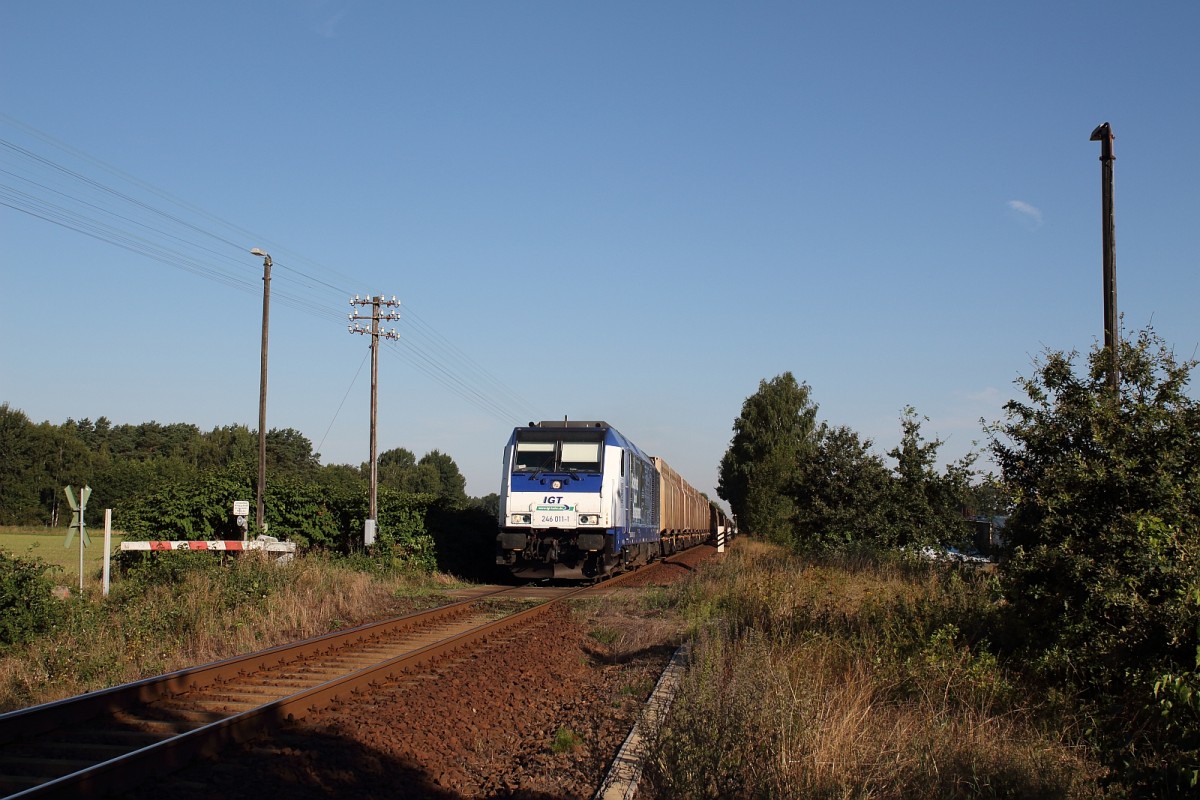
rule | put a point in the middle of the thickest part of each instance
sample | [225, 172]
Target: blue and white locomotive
[579, 500]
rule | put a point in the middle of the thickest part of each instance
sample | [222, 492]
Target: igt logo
[552, 498]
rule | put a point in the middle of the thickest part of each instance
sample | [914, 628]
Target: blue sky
[625, 211]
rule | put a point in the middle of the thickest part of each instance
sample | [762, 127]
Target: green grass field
[47, 544]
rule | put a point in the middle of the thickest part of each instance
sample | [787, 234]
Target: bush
[1104, 563]
[27, 605]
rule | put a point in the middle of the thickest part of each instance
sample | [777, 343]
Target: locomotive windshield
[558, 451]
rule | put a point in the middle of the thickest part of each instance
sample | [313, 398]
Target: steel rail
[156, 760]
[25, 724]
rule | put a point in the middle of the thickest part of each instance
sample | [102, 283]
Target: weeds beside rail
[852, 678]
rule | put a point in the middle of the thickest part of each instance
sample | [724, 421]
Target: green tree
[1103, 578]
[926, 506]
[342, 478]
[435, 474]
[226, 445]
[395, 468]
[988, 497]
[290, 453]
[489, 504]
[423, 479]
[842, 494]
[197, 506]
[151, 440]
[451, 485]
[772, 438]
[21, 475]
[64, 460]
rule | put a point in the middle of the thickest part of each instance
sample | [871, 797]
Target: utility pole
[1104, 135]
[376, 303]
[262, 391]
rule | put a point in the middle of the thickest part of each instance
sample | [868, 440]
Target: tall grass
[178, 610]
[852, 679]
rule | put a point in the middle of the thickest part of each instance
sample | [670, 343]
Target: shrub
[1105, 550]
[27, 606]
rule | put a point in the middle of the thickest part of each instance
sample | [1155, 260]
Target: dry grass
[151, 626]
[624, 627]
[851, 681]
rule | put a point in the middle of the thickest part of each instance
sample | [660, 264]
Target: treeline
[176, 481]
[1097, 597]
[812, 486]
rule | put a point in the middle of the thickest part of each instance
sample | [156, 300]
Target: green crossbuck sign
[77, 510]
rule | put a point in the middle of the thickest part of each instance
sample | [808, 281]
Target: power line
[344, 398]
[90, 207]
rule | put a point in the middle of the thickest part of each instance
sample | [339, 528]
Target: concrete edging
[626, 771]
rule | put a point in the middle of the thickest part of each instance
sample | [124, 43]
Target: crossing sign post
[241, 511]
[78, 523]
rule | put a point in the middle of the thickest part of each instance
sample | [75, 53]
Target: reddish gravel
[539, 715]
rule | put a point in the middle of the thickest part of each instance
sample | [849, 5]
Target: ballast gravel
[540, 715]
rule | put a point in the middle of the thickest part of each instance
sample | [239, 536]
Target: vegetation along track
[113, 740]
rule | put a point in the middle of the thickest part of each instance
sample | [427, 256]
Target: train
[580, 501]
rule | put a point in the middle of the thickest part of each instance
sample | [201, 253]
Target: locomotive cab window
[581, 456]
[554, 451]
[534, 457]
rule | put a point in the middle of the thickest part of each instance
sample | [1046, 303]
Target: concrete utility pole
[376, 303]
[262, 390]
[1104, 135]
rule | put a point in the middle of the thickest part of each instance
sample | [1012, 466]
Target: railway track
[111, 741]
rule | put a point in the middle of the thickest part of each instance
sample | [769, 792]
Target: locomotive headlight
[521, 519]
[588, 519]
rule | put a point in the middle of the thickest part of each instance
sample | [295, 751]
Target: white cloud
[1030, 215]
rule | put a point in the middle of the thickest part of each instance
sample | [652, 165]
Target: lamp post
[1112, 341]
[262, 388]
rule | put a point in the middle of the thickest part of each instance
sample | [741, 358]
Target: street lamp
[262, 388]
[1112, 340]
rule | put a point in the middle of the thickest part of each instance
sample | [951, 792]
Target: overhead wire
[175, 200]
[167, 238]
[353, 380]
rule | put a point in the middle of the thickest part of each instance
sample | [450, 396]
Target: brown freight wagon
[684, 516]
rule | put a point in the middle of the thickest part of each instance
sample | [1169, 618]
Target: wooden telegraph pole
[376, 303]
[260, 519]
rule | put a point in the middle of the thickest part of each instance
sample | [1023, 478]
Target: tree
[489, 504]
[772, 438]
[423, 479]
[395, 468]
[226, 445]
[842, 494]
[926, 507]
[436, 473]
[290, 453]
[451, 485]
[1103, 574]
[343, 478]
[21, 477]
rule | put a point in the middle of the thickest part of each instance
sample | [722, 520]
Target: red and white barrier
[234, 545]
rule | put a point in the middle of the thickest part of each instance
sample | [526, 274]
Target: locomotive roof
[611, 434]
[574, 423]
